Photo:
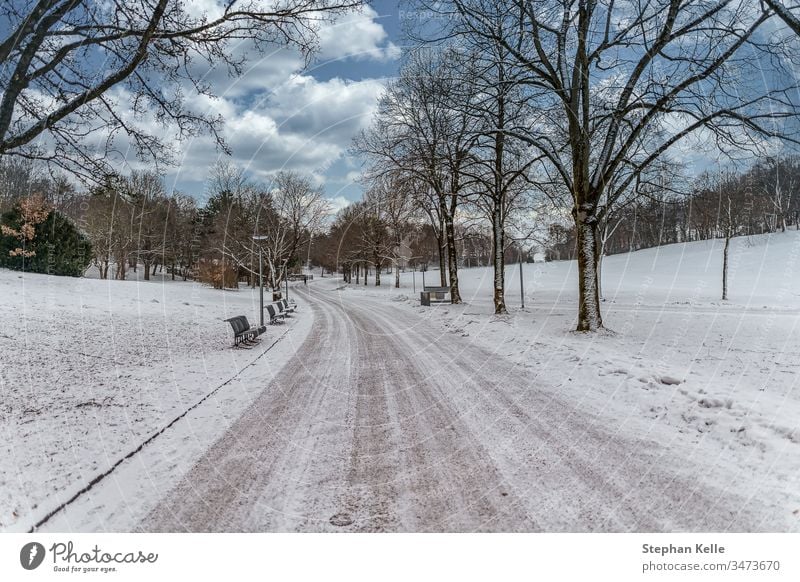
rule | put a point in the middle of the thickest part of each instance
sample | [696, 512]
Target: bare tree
[283, 218]
[501, 161]
[18, 178]
[423, 130]
[617, 85]
[54, 88]
[786, 11]
[777, 179]
[183, 233]
[398, 211]
[373, 232]
[385, 220]
[302, 206]
[728, 219]
[145, 193]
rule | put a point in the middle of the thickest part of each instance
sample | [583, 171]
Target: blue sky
[281, 116]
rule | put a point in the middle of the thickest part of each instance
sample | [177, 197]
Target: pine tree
[37, 239]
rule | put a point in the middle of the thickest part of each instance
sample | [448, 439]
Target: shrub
[42, 242]
[218, 274]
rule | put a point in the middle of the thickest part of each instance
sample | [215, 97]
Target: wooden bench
[280, 309]
[274, 314]
[243, 332]
[431, 294]
[284, 306]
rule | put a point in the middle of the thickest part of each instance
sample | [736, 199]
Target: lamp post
[286, 278]
[308, 258]
[260, 281]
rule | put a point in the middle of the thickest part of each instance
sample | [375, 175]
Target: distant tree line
[132, 222]
[501, 107]
[58, 107]
[765, 198]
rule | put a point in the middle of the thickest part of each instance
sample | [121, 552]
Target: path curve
[378, 425]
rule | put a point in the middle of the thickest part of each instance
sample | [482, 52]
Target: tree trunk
[602, 254]
[498, 259]
[455, 296]
[589, 318]
[600, 274]
[358, 274]
[442, 260]
[396, 276]
[146, 270]
[725, 267]
[378, 267]
[173, 271]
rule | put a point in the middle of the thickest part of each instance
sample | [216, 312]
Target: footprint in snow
[670, 380]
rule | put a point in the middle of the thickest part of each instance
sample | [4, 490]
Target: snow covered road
[381, 422]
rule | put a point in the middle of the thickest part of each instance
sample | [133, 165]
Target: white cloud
[276, 118]
[304, 125]
[353, 36]
[339, 202]
[357, 35]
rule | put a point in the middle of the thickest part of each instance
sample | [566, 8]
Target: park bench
[285, 307]
[281, 310]
[431, 294]
[274, 314]
[243, 332]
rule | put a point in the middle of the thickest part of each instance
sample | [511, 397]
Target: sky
[280, 115]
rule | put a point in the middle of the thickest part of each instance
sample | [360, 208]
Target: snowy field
[717, 382]
[90, 369]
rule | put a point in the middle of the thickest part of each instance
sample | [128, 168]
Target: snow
[468, 421]
[92, 368]
[715, 382]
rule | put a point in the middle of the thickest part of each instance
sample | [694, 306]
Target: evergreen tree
[53, 245]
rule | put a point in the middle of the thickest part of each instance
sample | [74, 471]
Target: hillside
[715, 381]
[91, 368]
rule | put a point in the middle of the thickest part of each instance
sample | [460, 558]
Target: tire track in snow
[375, 428]
[253, 477]
[394, 461]
[573, 471]
[97, 479]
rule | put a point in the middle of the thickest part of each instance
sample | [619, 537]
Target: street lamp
[521, 283]
[260, 280]
[286, 278]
